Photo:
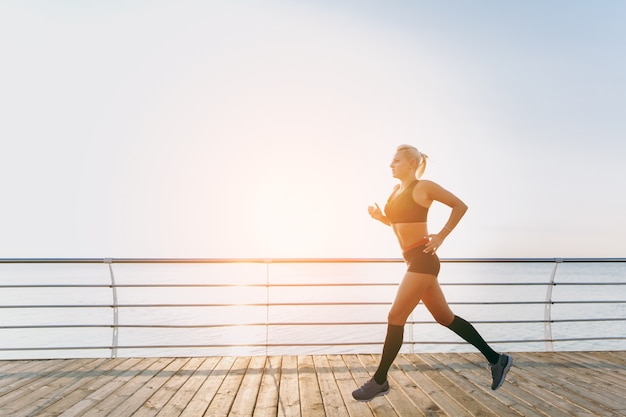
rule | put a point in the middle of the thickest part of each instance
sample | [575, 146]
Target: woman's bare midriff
[409, 234]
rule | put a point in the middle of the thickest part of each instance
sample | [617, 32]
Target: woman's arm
[377, 214]
[435, 192]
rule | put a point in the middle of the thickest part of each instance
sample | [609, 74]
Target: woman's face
[401, 166]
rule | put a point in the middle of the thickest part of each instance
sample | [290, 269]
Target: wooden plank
[533, 379]
[363, 368]
[471, 397]
[194, 401]
[139, 398]
[106, 390]
[576, 388]
[289, 394]
[245, 401]
[456, 386]
[181, 398]
[27, 376]
[27, 379]
[480, 376]
[428, 379]
[225, 396]
[118, 397]
[599, 370]
[163, 395]
[397, 399]
[55, 388]
[8, 367]
[329, 390]
[510, 393]
[90, 381]
[33, 396]
[519, 385]
[417, 403]
[267, 400]
[454, 371]
[547, 396]
[106, 385]
[549, 371]
[617, 357]
[311, 403]
[346, 385]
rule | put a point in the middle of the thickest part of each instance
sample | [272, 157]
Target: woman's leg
[410, 291]
[436, 303]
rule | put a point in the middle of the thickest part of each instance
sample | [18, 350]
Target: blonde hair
[413, 154]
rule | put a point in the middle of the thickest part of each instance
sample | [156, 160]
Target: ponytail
[416, 155]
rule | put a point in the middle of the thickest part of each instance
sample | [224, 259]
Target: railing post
[267, 305]
[547, 311]
[115, 336]
[411, 332]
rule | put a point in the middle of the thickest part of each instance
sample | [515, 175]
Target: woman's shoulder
[425, 187]
[426, 183]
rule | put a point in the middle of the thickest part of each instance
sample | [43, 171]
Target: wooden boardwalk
[539, 384]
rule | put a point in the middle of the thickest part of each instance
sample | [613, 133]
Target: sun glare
[288, 221]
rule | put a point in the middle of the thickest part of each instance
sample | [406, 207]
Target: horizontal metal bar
[40, 286]
[295, 260]
[305, 285]
[69, 306]
[278, 345]
[300, 304]
[566, 339]
[289, 324]
[200, 285]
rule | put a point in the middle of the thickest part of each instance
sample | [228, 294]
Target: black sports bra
[403, 209]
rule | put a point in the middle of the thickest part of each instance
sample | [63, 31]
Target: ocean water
[163, 305]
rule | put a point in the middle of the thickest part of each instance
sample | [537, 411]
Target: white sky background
[265, 129]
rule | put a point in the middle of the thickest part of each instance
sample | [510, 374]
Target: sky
[264, 129]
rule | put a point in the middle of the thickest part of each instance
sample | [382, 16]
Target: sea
[293, 307]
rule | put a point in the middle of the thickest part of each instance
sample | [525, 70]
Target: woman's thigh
[435, 302]
[410, 291]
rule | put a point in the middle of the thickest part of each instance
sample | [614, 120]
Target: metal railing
[129, 305]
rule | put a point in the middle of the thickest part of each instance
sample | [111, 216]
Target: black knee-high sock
[393, 343]
[470, 335]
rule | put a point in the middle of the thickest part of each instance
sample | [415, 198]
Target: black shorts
[420, 262]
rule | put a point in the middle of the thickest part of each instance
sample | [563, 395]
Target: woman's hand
[433, 243]
[375, 212]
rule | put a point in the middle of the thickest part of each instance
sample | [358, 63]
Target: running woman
[406, 212]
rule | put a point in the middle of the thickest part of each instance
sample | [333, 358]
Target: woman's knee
[441, 313]
[445, 319]
[396, 318]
